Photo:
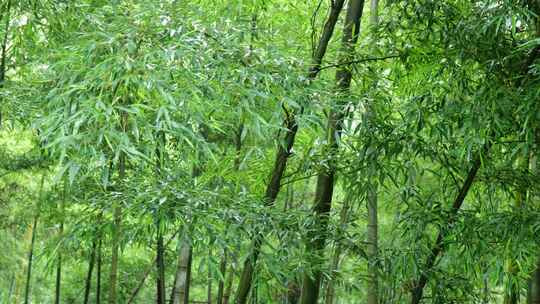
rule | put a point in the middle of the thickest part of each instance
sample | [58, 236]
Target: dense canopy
[270, 151]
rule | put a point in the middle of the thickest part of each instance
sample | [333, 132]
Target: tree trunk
[91, 263]
[30, 260]
[209, 289]
[284, 151]
[418, 290]
[223, 272]
[228, 286]
[117, 225]
[533, 292]
[116, 236]
[512, 294]
[372, 208]
[160, 248]
[160, 265]
[372, 246]
[32, 244]
[3, 55]
[98, 273]
[325, 179]
[60, 234]
[534, 289]
[183, 272]
[334, 264]
[57, 290]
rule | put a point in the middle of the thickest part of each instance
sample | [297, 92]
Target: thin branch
[359, 61]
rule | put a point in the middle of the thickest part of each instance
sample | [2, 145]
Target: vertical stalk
[372, 208]
[325, 179]
[32, 244]
[334, 264]
[160, 248]
[30, 260]
[117, 218]
[209, 289]
[160, 265]
[223, 272]
[228, 285]
[284, 151]
[183, 272]
[60, 234]
[3, 55]
[98, 273]
[91, 262]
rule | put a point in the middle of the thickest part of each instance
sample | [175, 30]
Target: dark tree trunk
[160, 248]
[98, 273]
[283, 153]
[160, 264]
[57, 290]
[91, 262]
[30, 260]
[221, 284]
[32, 244]
[325, 179]
[3, 50]
[209, 279]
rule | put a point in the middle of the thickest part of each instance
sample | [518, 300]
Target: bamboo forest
[270, 151]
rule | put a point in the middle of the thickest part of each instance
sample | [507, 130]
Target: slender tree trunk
[373, 246]
[11, 287]
[533, 292]
[117, 225]
[183, 272]
[30, 260]
[225, 287]
[334, 264]
[221, 284]
[372, 208]
[98, 272]
[209, 290]
[91, 262]
[512, 294]
[325, 179]
[437, 249]
[59, 271]
[284, 151]
[160, 264]
[228, 285]
[60, 234]
[32, 244]
[116, 236]
[160, 248]
[3, 55]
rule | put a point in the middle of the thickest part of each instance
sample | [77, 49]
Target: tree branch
[359, 61]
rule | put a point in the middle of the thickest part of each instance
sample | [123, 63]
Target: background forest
[270, 151]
